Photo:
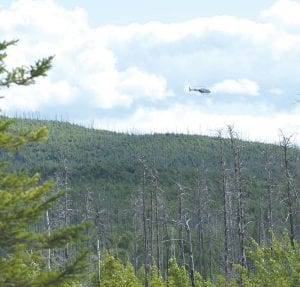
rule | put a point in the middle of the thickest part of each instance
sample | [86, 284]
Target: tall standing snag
[154, 175]
[240, 196]
[191, 255]
[225, 207]
[145, 233]
[180, 225]
[285, 145]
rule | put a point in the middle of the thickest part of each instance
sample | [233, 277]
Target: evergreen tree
[23, 200]
[115, 274]
[274, 265]
[156, 279]
[178, 276]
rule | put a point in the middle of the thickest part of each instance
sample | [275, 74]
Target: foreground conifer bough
[24, 200]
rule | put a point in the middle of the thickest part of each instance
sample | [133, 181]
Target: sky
[127, 65]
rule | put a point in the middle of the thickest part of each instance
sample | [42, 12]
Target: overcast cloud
[135, 77]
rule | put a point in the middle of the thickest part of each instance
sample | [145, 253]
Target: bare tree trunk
[269, 180]
[150, 237]
[49, 234]
[145, 233]
[66, 203]
[200, 228]
[210, 247]
[135, 243]
[261, 225]
[88, 208]
[285, 144]
[227, 270]
[240, 197]
[192, 265]
[157, 232]
[167, 242]
[100, 219]
[89, 211]
[99, 262]
[180, 225]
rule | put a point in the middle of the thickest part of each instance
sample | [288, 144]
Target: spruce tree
[23, 201]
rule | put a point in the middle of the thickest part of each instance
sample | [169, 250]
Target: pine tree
[23, 201]
[273, 266]
[114, 273]
[178, 276]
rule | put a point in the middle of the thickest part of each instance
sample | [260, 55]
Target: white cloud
[40, 15]
[183, 119]
[141, 84]
[171, 32]
[240, 86]
[82, 56]
[43, 93]
[284, 17]
[119, 68]
[285, 11]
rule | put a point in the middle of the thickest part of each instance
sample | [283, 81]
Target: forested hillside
[84, 207]
[155, 197]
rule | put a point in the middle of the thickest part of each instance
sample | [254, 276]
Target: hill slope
[120, 180]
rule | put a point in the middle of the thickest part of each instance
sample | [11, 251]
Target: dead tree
[89, 211]
[136, 199]
[100, 220]
[66, 176]
[63, 208]
[270, 186]
[286, 145]
[166, 240]
[49, 235]
[226, 205]
[200, 232]
[235, 148]
[145, 232]
[154, 176]
[210, 246]
[99, 263]
[180, 225]
[191, 256]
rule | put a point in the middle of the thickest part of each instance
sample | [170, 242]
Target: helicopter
[200, 90]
